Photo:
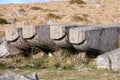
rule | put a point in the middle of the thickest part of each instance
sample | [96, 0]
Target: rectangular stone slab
[42, 38]
[100, 37]
[59, 33]
[4, 49]
[78, 35]
[12, 34]
[28, 31]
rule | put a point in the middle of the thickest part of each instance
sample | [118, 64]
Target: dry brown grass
[79, 18]
[77, 2]
[108, 12]
[36, 8]
[52, 16]
[21, 10]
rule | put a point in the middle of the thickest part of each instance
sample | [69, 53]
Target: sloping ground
[53, 74]
[98, 12]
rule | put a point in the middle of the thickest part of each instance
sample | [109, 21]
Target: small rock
[50, 55]
[14, 76]
[98, 5]
[21, 13]
[51, 22]
[92, 1]
[31, 65]
[109, 60]
[12, 21]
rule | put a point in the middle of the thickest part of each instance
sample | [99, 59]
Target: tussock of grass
[63, 60]
[79, 18]
[3, 21]
[21, 10]
[50, 10]
[77, 2]
[36, 8]
[52, 16]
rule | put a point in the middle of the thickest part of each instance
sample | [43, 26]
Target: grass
[52, 16]
[79, 18]
[21, 10]
[3, 21]
[77, 2]
[57, 74]
[50, 10]
[64, 60]
[63, 66]
[36, 8]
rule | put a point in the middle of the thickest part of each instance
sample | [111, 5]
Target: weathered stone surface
[2, 36]
[12, 34]
[14, 39]
[28, 31]
[103, 61]
[39, 36]
[59, 33]
[2, 39]
[109, 60]
[97, 37]
[81, 38]
[4, 49]
[14, 76]
[20, 44]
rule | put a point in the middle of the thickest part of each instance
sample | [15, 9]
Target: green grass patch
[3, 21]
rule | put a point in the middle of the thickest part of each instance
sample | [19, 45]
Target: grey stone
[4, 49]
[12, 34]
[2, 39]
[109, 60]
[28, 31]
[21, 13]
[103, 61]
[52, 22]
[11, 21]
[14, 76]
[16, 44]
[102, 38]
[60, 34]
[39, 36]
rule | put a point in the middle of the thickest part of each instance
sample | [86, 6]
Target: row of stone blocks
[99, 38]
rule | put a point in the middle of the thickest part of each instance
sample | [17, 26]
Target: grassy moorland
[65, 66]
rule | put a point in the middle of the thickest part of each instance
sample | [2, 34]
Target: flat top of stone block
[68, 25]
[12, 34]
[85, 28]
[28, 31]
[105, 25]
